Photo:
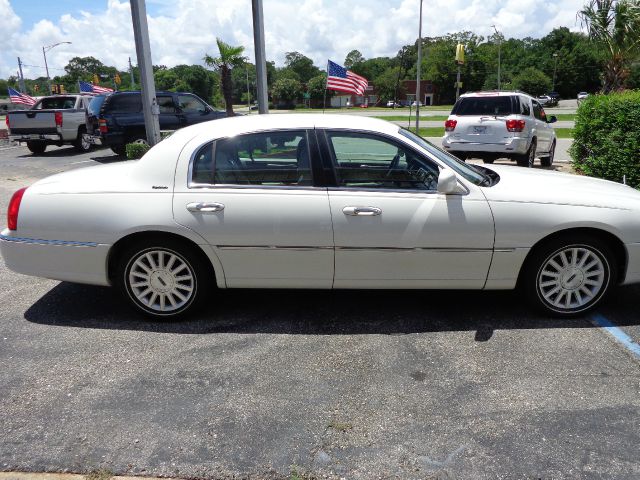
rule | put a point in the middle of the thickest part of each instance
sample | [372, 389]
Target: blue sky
[183, 31]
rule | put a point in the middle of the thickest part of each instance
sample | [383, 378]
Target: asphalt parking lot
[310, 384]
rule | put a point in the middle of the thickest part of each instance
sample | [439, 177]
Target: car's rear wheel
[528, 159]
[37, 147]
[547, 160]
[569, 276]
[164, 279]
[82, 143]
[118, 149]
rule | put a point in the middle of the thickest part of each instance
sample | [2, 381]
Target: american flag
[343, 80]
[17, 97]
[86, 87]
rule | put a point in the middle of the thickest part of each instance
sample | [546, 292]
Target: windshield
[469, 172]
[96, 103]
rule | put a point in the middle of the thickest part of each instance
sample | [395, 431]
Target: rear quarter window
[497, 105]
[57, 103]
[124, 104]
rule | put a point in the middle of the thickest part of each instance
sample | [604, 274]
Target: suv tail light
[102, 126]
[515, 125]
[58, 118]
[14, 208]
[6, 121]
[450, 125]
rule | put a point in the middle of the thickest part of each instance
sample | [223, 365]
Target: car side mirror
[552, 119]
[447, 182]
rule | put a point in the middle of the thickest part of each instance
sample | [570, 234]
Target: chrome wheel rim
[552, 153]
[572, 278]
[161, 281]
[85, 144]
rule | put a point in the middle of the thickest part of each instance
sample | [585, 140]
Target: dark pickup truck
[116, 119]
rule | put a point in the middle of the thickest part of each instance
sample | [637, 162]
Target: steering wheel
[393, 165]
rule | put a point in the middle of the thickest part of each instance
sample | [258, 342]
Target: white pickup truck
[54, 120]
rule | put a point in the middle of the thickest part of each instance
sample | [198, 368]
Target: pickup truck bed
[53, 120]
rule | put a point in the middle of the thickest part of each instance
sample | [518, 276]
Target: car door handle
[362, 211]
[205, 207]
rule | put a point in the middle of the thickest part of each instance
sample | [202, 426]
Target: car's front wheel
[547, 160]
[570, 275]
[164, 280]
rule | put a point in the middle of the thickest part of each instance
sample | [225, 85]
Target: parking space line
[617, 333]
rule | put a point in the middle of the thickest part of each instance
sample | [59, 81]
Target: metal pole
[44, 54]
[499, 48]
[246, 67]
[133, 81]
[419, 67]
[150, 106]
[23, 88]
[458, 83]
[261, 65]
[555, 66]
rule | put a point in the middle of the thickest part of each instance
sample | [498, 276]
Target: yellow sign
[460, 53]
[117, 79]
[96, 80]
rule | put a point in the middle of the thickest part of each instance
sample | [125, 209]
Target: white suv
[491, 125]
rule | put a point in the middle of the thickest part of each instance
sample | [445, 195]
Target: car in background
[53, 120]
[491, 125]
[582, 96]
[547, 101]
[393, 104]
[116, 119]
[325, 202]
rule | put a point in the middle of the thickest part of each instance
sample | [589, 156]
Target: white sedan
[322, 201]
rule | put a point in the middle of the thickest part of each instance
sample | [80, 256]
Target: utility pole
[46, 66]
[419, 67]
[150, 106]
[499, 48]
[133, 81]
[23, 88]
[246, 67]
[261, 65]
[555, 66]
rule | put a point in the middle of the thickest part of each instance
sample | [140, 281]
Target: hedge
[136, 150]
[606, 137]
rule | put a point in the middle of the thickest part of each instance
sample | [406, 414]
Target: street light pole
[499, 47]
[555, 66]
[419, 67]
[44, 54]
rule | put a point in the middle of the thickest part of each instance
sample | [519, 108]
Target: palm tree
[229, 57]
[614, 24]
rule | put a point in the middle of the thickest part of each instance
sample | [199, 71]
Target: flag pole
[326, 82]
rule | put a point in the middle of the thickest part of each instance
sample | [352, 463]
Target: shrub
[606, 137]
[136, 150]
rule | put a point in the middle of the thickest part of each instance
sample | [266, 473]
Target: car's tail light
[14, 208]
[515, 125]
[58, 118]
[450, 125]
[6, 121]
[102, 125]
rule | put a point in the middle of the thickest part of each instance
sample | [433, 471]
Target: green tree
[615, 26]
[353, 57]
[229, 58]
[301, 65]
[532, 81]
[286, 91]
[387, 84]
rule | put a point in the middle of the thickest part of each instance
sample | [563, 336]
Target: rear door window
[492, 106]
[57, 103]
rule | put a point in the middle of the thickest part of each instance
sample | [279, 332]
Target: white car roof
[226, 127]
[494, 93]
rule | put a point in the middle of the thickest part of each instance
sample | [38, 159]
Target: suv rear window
[124, 103]
[498, 105]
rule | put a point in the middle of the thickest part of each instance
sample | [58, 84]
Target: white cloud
[182, 31]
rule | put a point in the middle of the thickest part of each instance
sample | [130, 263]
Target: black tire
[586, 271]
[528, 159]
[81, 144]
[37, 147]
[488, 160]
[547, 160]
[118, 149]
[164, 279]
